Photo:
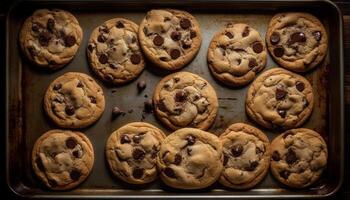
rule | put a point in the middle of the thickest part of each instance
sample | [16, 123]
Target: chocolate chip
[80, 84]
[103, 29]
[76, 154]
[75, 175]
[291, 157]
[135, 59]
[57, 86]
[180, 96]
[245, 32]
[50, 24]
[125, 139]
[138, 154]
[101, 38]
[119, 24]
[71, 142]
[44, 38]
[175, 35]
[276, 156]
[141, 85]
[284, 174]
[193, 34]
[317, 35]
[280, 92]
[258, 150]
[185, 23]
[190, 139]
[154, 154]
[237, 150]
[35, 27]
[174, 53]
[148, 106]
[103, 59]
[229, 35]
[278, 51]
[275, 38]
[185, 46]
[32, 51]
[116, 112]
[225, 160]
[39, 164]
[137, 138]
[305, 102]
[189, 151]
[69, 40]
[258, 47]
[169, 172]
[92, 99]
[90, 47]
[133, 40]
[137, 172]
[252, 166]
[282, 113]
[252, 63]
[297, 37]
[69, 110]
[158, 40]
[300, 86]
[178, 159]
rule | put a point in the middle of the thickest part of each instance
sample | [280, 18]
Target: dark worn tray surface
[27, 86]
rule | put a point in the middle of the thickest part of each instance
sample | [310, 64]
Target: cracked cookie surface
[50, 38]
[236, 54]
[297, 41]
[190, 159]
[299, 157]
[74, 100]
[114, 53]
[62, 159]
[279, 98]
[246, 152]
[131, 152]
[170, 38]
[183, 100]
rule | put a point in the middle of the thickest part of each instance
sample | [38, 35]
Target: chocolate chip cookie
[74, 100]
[190, 159]
[297, 41]
[62, 159]
[236, 54]
[298, 157]
[246, 156]
[183, 100]
[50, 38]
[131, 152]
[280, 99]
[170, 38]
[114, 53]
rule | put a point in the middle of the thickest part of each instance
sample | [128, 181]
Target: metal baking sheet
[26, 86]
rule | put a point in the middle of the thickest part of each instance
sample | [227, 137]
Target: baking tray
[26, 86]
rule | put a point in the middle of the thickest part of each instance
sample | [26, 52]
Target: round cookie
[170, 38]
[236, 54]
[298, 157]
[74, 100]
[131, 152]
[114, 53]
[190, 159]
[62, 159]
[246, 152]
[297, 41]
[50, 38]
[279, 98]
[183, 100]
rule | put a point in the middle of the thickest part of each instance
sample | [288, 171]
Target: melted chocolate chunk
[175, 35]
[135, 59]
[180, 96]
[252, 63]
[75, 175]
[185, 46]
[185, 23]
[275, 38]
[44, 38]
[69, 40]
[101, 38]
[193, 34]
[76, 154]
[103, 29]
[35, 27]
[70, 110]
[103, 59]
[80, 84]
[125, 139]
[291, 157]
[178, 159]
[190, 139]
[280, 92]
[90, 47]
[258, 47]
[317, 35]
[300, 86]
[71, 142]
[138, 154]
[174, 53]
[245, 32]
[276, 156]
[305, 102]
[57, 86]
[258, 150]
[278, 51]
[39, 164]
[141, 85]
[229, 35]
[50, 24]
[284, 174]
[282, 113]
[169, 172]
[137, 172]
[252, 166]
[119, 24]
[297, 37]
[92, 99]
[158, 40]
[236, 150]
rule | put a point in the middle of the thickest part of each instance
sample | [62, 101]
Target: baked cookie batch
[190, 157]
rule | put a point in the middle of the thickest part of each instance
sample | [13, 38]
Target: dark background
[343, 193]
